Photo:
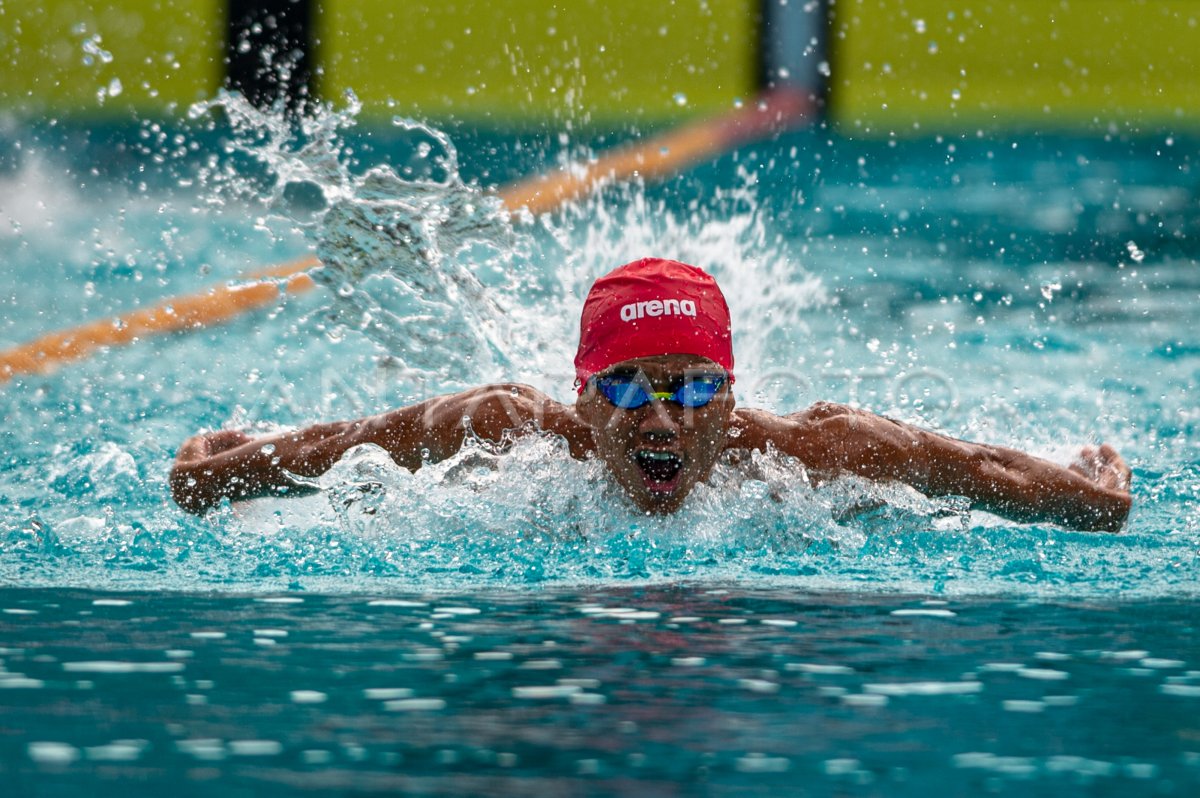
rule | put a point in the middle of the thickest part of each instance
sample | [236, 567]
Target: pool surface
[663, 689]
[509, 624]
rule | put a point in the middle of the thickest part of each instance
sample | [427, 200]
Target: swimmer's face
[658, 452]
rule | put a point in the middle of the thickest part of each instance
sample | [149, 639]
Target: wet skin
[642, 446]
[658, 452]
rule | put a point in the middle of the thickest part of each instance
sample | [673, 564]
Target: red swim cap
[653, 307]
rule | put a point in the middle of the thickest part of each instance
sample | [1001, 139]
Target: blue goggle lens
[629, 393]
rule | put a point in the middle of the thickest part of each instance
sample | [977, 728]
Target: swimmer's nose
[659, 423]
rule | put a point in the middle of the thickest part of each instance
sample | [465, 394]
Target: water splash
[400, 253]
[292, 153]
[530, 516]
[85, 515]
[770, 294]
[412, 258]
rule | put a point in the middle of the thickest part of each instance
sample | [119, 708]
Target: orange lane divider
[657, 156]
[190, 311]
[665, 153]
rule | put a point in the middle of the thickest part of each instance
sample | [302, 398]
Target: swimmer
[655, 380]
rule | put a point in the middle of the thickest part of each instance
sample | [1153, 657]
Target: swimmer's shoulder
[498, 410]
[435, 428]
[752, 422]
[804, 434]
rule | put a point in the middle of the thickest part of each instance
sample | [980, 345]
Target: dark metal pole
[269, 51]
[793, 46]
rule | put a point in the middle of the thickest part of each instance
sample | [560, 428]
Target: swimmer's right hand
[206, 444]
[194, 484]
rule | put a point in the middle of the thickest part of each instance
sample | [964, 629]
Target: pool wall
[898, 66]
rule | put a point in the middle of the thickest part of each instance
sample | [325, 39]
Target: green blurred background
[898, 66]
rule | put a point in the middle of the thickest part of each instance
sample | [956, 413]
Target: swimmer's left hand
[1102, 465]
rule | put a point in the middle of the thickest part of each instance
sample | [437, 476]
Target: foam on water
[529, 516]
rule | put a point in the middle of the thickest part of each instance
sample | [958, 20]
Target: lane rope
[654, 157]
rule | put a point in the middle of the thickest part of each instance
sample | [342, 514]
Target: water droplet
[919, 25]
[1049, 289]
[92, 51]
[680, 98]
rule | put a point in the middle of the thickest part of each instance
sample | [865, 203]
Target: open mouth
[659, 469]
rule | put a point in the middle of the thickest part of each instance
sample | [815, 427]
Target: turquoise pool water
[508, 625]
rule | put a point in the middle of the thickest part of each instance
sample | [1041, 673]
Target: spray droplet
[93, 52]
[1049, 289]
[680, 98]
[1135, 254]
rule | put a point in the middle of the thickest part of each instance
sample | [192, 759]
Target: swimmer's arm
[1091, 495]
[231, 464]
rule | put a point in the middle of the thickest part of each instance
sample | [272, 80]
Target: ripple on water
[924, 688]
[52, 753]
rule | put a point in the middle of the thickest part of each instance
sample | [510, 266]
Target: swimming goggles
[629, 392]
